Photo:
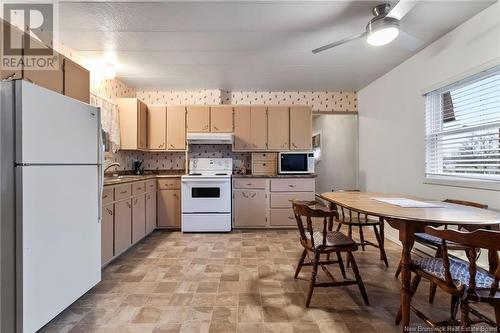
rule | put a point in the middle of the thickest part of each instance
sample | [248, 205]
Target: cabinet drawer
[123, 191]
[263, 168]
[250, 183]
[283, 199]
[169, 184]
[107, 195]
[292, 184]
[138, 188]
[283, 217]
[264, 157]
[151, 185]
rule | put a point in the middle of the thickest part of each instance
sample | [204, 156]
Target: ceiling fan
[382, 29]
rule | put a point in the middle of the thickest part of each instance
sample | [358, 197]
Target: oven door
[204, 195]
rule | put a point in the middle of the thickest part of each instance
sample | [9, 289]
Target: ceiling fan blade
[339, 42]
[409, 41]
[402, 8]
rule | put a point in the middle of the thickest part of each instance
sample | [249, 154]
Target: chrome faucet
[114, 164]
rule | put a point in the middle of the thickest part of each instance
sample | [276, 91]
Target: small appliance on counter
[296, 162]
[206, 195]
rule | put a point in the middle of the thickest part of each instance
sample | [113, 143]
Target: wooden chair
[324, 242]
[463, 280]
[363, 221]
[435, 242]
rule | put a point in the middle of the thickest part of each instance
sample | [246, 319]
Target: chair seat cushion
[333, 238]
[459, 271]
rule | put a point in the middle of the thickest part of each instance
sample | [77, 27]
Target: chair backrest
[478, 239]
[307, 210]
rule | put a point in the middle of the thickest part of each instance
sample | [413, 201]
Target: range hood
[210, 138]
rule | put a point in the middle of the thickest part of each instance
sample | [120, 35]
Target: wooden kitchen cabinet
[221, 119]
[198, 118]
[278, 131]
[300, 128]
[176, 128]
[169, 209]
[242, 128]
[123, 226]
[76, 82]
[133, 123]
[258, 127]
[138, 218]
[107, 245]
[150, 212]
[250, 208]
[157, 127]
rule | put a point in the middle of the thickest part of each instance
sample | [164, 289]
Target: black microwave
[296, 163]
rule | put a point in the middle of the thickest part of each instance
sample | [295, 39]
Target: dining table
[411, 220]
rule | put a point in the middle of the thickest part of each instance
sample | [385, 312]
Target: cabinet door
[143, 124]
[221, 119]
[176, 128]
[107, 234]
[129, 127]
[198, 119]
[258, 128]
[76, 81]
[123, 226]
[241, 128]
[150, 212]
[138, 218]
[169, 208]
[49, 79]
[278, 130]
[300, 128]
[249, 208]
[157, 127]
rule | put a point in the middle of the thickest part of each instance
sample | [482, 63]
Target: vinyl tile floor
[237, 282]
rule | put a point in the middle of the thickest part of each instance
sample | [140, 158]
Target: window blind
[463, 128]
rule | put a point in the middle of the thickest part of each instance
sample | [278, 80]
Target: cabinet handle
[249, 184]
[110, 212]
[162, 145]
[135, 201]
[294, 146]
[205, 127]
[172, 146]
[244, 195]
[105, 196]
[253, 195]
[292, 185]
[123, 192]
[215, 128]
[128, 204]
[291, 218]
[263, 164]
[176, 196]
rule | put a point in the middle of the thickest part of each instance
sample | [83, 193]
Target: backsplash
[239, 159]
[152, 160]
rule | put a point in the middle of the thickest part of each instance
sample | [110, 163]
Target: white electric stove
[206, 195]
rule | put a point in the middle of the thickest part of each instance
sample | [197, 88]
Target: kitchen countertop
[276, 176]
[129, 178]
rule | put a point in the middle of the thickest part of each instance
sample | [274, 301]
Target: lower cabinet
[123, 226]
[169, 209]
[138, 218]
[107, 239]
[250, 208]
[150, 212]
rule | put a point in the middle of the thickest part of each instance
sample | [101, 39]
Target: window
[463, 129]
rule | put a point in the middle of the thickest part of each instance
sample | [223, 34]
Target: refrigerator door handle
[101, 165]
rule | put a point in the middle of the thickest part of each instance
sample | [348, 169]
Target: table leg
[493, 260]
[407, 238]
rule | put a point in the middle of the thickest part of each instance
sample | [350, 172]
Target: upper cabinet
[300, 128]
[221, 119]
[241, 128]
[176, 128]
[278, 131]
[157, 127]
[133, 123]
[258, 128]
[198, 118]
[76, 82]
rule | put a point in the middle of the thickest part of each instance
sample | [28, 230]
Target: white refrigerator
[51, 180]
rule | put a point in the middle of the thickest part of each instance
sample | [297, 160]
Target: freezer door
[60, 238]
[54, 129]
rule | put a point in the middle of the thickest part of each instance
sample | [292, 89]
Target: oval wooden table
[410, 221]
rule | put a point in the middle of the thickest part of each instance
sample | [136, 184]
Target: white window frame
[449, 180]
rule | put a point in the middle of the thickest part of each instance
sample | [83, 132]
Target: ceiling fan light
[382, 36]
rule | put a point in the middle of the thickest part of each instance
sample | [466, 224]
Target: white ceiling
[249, 45]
